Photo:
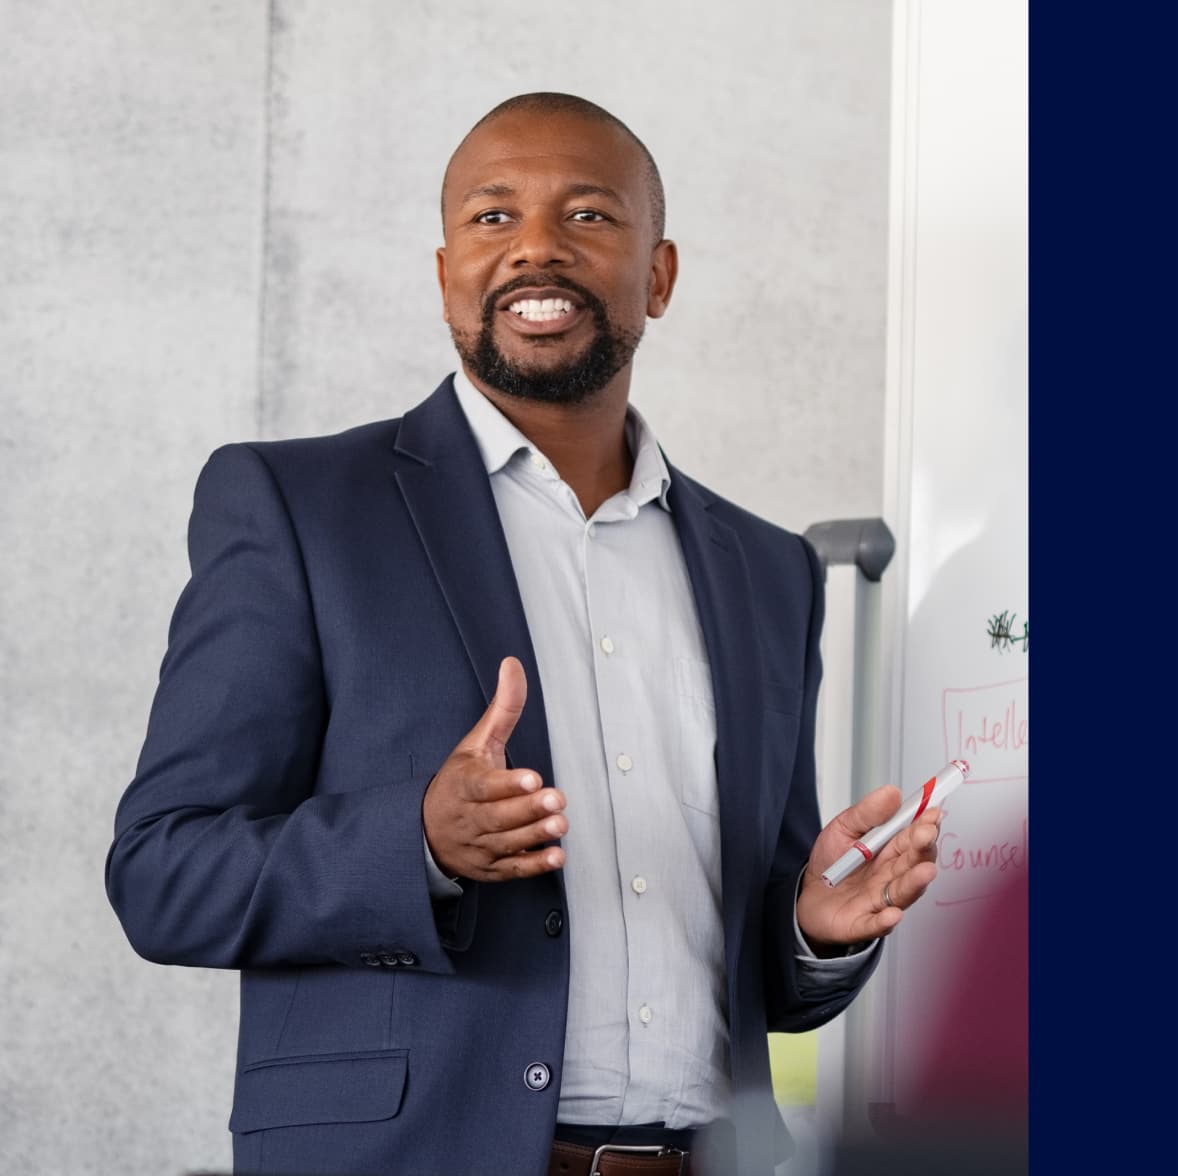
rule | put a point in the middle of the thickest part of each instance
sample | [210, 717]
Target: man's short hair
[550, 102]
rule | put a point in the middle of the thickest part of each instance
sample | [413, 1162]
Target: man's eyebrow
[499, 191]
[484, 190]
[594, 190]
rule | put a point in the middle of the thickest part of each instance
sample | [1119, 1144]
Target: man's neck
[585, 442]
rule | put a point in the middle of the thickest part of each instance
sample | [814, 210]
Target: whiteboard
[955, 631]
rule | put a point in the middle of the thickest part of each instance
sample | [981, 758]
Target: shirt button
[607, 645]
[638, 884]
[624, 762]
[644, 1014]
[554, 923]
[592, 529]
[536, 1076]
[539, 462]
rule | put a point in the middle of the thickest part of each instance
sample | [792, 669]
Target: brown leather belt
[613, 1159]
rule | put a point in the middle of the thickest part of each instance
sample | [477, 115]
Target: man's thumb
[878, 806]
[499, 719]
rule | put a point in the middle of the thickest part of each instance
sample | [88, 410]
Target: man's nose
[541, 241]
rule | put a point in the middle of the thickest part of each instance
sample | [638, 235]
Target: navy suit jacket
[350, 600]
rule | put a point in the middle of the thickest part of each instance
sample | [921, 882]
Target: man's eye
[494, 217]
[588, 215]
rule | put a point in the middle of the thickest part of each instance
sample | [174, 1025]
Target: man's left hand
[870, 902]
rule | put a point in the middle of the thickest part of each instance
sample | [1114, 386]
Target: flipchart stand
[851, 756]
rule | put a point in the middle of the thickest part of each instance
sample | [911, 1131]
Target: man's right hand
[483, 820]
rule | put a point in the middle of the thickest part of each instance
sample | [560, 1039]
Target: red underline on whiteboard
[983, 686]
[944, 902]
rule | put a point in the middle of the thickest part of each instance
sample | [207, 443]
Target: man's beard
[572, 382]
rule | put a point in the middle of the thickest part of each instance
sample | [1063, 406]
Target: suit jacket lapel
[449, 497]
[723, 594]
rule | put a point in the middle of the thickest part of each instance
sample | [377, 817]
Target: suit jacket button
[537, 1076]
[407, 958]
[554, 923]
[389, 959]
[371, 960]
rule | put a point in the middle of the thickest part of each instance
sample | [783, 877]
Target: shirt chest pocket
[695, 762]
[695, 758]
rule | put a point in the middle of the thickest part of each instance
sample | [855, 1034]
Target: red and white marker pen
[934, 791]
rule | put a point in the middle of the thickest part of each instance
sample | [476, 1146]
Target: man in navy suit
[483, 745]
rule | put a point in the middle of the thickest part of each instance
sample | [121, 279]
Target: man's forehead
[520, 143]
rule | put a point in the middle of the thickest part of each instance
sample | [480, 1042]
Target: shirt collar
[499, 441]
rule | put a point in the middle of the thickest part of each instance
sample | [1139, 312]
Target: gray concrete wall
[217, 222]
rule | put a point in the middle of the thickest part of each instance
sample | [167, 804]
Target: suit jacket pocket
[320, 1088]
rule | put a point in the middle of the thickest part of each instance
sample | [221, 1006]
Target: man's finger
[919, 840]
[485, 785]
[878, 806]
[493, 730]
[525, 865]
[515, 839]
[517, 811]
[909, 885]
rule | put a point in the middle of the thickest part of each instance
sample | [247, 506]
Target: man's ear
[664, 269]
[441, 259]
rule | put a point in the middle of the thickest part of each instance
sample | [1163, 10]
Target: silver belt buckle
[654, 1150]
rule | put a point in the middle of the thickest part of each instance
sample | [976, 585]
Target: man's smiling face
[551, 266]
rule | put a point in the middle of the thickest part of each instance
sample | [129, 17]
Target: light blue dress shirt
[632, 729]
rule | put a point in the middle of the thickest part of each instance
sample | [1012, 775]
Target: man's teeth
[541, 310]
